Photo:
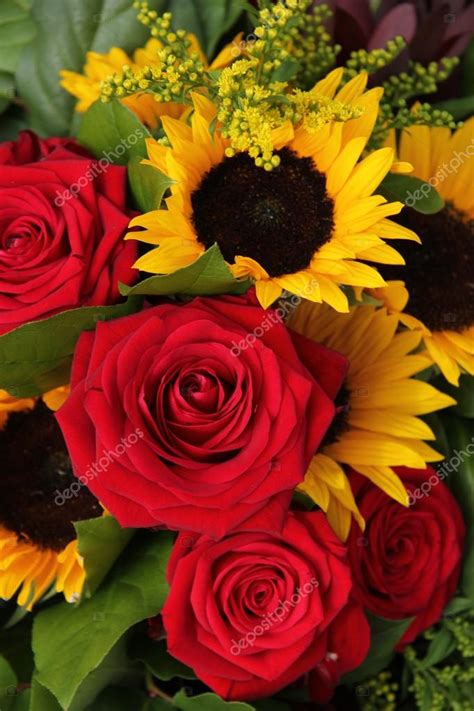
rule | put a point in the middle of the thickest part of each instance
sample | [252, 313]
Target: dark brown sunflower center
[439, 273]
[35, 468]
[279, 218]
[340, 423]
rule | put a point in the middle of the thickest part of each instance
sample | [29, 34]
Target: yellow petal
[386, 479]
[267, 292]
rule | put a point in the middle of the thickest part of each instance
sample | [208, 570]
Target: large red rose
[223, 430]
[255, 611]
[62, 223]
[407, 563]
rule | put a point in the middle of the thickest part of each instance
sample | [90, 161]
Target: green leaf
[413, 192]
[148, 184]
[457, 606]
[42, 699]
[286, 71]
[209, 20]
[461, 482]
[11, 123]
[8, 684]
[23, 703]
[100, 542]
[155, 656]
[15, 643]
[66, 30]
[16, 31]
[208, 275]
[440, 647]
[459, 109]
[115, 668]
[113, 133]
[70, 642]
[208, 702]
[463, 394]
[36, 357]
[119, 699]
[384, 636]
[427, 698]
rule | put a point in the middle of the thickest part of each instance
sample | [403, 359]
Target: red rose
[222, 433]
[255, 611]
[62, 223]
[407, 563]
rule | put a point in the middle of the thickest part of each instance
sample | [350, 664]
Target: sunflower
[300, 227]
[86, 87]
[376, 426]
[11, 404]
[38, 545]
[436, 296]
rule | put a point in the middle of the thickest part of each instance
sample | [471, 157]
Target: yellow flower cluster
[253, 95]
[252, 114]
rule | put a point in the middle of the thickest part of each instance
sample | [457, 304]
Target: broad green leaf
[100, 542]
[384, 636]
[41, 699]
[463, 394]
[155, 656]
[440, 647]
[16, 31]
[11, 123]
[209, 20]
[113, 133]
[413, 192]
[66, 30]
[460, 480]
[119, 699]
[8, 685]
[208, 702]
[208, 275]
[457, 605]
[23, 702]
[460, 108]
[37, 356]
[15, 645]
[435, 421]
[148, 185]
[115, 668]
[70, 642]
[155, 705]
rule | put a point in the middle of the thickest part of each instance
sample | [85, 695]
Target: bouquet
[236, 355]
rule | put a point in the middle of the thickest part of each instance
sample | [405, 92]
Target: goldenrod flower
[86, 87]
